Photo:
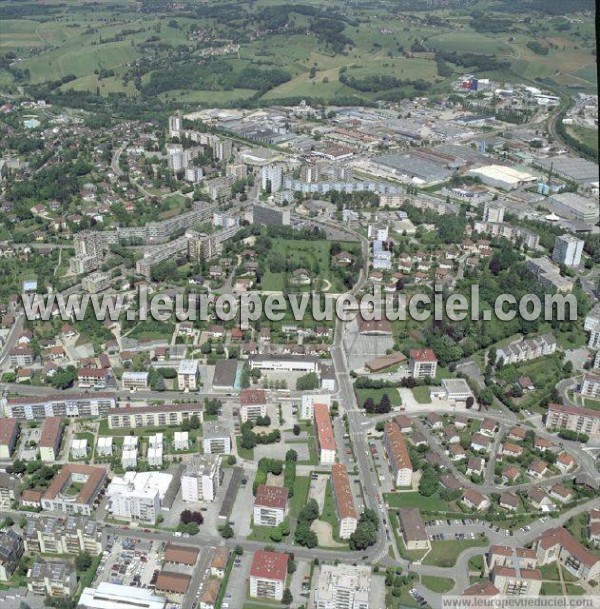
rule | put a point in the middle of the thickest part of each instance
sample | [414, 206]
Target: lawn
[376, 394]
[422, 394]
[329, 513]
[437, 584]
[244, 453]
[413, 499]
[468, 42]
[550, 571]
[445, 553]
[551, 589]
[262, 534]
[298, 501]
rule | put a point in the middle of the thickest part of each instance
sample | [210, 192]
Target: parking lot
[300, 584]
[241, 513]
[235, 596]
[131, 562]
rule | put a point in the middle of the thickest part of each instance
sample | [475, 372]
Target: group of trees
[308, 382]
[303, 535]
[365, 534]
[384, 406]
[189, 522]
[249, 439]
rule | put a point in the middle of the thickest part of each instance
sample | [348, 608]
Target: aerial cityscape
[299, 304]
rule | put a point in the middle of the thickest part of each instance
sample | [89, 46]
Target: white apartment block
[307, 408]
[104, 447]
[591, 385]
[188, 375]
[181, 440]
[135, 380]
[423, 363]
[155, 456]
[79, 447]
[129, 459]
[567, 250]
[216, 440]
[343, 587]
[526, 350]
[493, 213]
[201, 479]
[272, 178]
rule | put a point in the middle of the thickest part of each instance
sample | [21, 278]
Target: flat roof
[412, 524]
[109, 596]
[225, 373]
[188, 366]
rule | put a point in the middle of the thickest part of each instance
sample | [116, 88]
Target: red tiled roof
[271, 496]
[324, 428]
[50, 432]
[562, 537]
[269, 565]
[7, 431]
[423, 355]
[344, 500]
[252, 396]
[397, 445]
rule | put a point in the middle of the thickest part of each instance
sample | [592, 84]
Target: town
[305, 462]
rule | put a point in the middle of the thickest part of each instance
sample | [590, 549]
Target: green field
[422, 394]
[445, 553]
[413, 499]
[376, 394]
[437, 584]
[469, 42]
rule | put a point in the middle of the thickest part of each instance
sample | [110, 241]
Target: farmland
[202, 55]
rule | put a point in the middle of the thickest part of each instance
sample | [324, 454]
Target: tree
[291, 455]
[308, 382]
[428, 483]
[287, 597]
[231, 460]
[227, 532]
[83, 562]
[469, 402]
[296, 430]
[276, 535]
[238, 550]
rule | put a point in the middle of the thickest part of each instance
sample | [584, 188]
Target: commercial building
[75, 405]
[456, 391]
[423, 363]
[325, 438]
[137, 497]
[344, 587]
[567, 250]
[75, 489]
[188, 375]
[107, 596]
[181, 555]
[73, 535]
[50, 439]
[11, 550]
[286, 363]
[573, 418]
[270, 505]
[344, 500]
[574, 206]
[558, 545]
[307, 408]
[253, 404]
[414, 533]
[154, 416]
[397, 454]
[53, 579]
[201, 478]
[174, 585]
[9, 433]
[135, 380]
[504, 178]
[224, 378]
[268, 574]
[216, 439]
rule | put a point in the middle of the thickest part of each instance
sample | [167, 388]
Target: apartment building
[344, 500]
[512, 581]
[344, 587]
[20, 357]
[325, 437]
[286, 363]
[397, 454]
[508, 556]
[253, 404]
[201, 478]
[216, 438]
[423, 363]
[154, 416]
[590, 387]
[271, 216]
[96, 282]
[268, 574]
[558, 545]
[73, 535]
[270, 505]
[50, 439]
[188, 375]
[79, 448]
[11, 550]
[567, 250]
[573, 418]
[514, 234]
[526, 350]
[9, 434]
[75, 489]
[137, 497]
[75, 405]
[53, 579]
[9, 489]
[135, 380]
[307, 407]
